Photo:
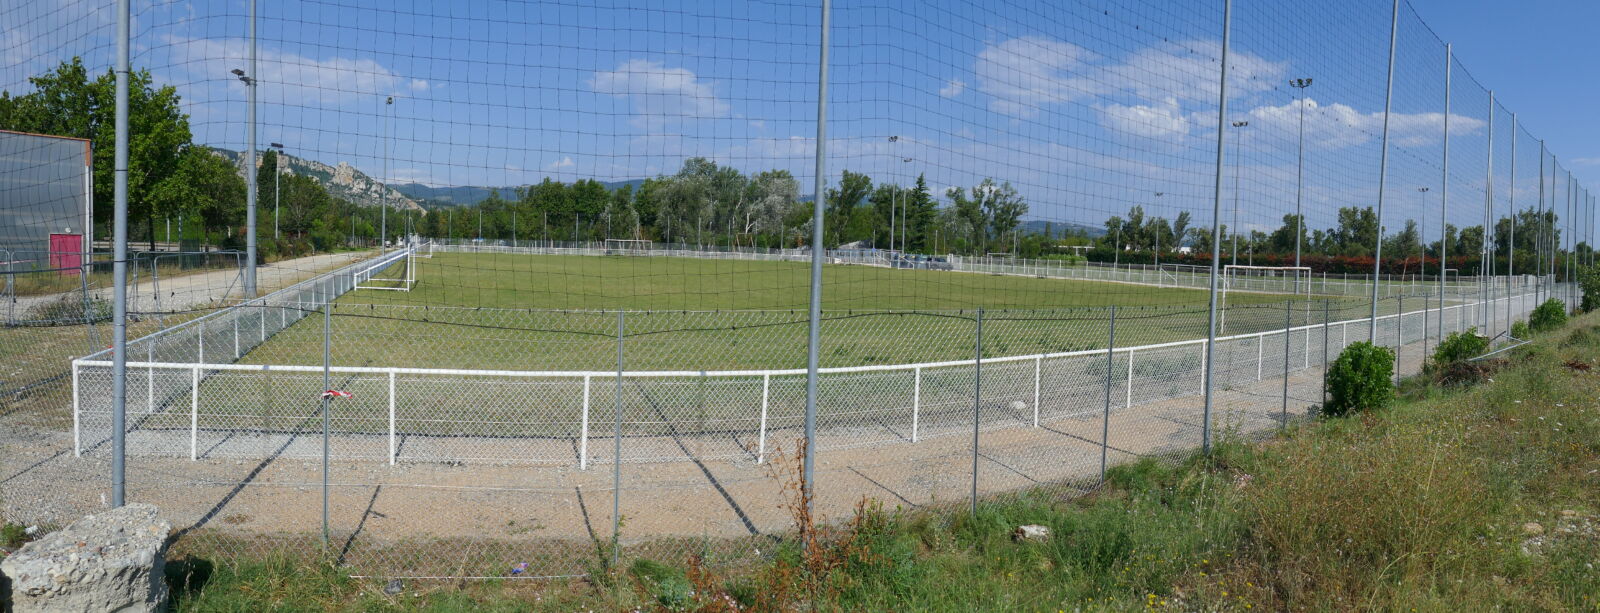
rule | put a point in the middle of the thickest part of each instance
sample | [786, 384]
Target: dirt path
[206, 289]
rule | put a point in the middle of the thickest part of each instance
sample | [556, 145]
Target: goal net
[394, 272]
[622, 246]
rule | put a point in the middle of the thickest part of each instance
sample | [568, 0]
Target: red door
[66, 252]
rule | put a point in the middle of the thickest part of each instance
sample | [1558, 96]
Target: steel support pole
[1288, 315]
[977, 404]
[1511, 241]
[1486, 269]
[1538, 245]
[327, 405]
[250, 166]
[1216, 229]
[1105, 417]
[814, 341]
[1383, 168]
[119, 270]
[1444, 190]
[1299, 185]
[616, 455]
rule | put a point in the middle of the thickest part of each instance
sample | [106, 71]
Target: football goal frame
[628, 246]
[407, 259]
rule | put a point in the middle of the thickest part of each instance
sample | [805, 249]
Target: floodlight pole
[1299, 177]
[1383, 170]
[119, 270]
[1444, 190]
[1238, 156]
[818, 202]
[250, 173]
[383, 195]
[1216, 230]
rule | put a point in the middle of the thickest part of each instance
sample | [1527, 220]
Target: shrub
[1589, 281]
[1460, 346]
[1360, 379]
[1548, 316]
[1519, 330]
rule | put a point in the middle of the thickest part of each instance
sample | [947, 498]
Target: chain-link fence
[1054, 238]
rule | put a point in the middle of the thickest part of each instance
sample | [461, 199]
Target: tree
[66, 102]
[1283, 239]
[1357, 233]
[1004, 207]
[842, 202]
[774, 194]
[1180, 228]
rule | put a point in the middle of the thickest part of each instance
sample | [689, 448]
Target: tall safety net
[536, 274]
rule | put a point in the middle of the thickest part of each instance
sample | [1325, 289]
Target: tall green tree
[842, 203]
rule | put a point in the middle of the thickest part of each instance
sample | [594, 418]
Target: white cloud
[758, 124]
[290, 76]
[1023, 74]
[561, 164]
[1153, 121]
[953, 88]
[1338, 125]
[1584, 161]
[419, 85]
[660, 93]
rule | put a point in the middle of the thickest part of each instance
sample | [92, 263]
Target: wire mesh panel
[532, 280]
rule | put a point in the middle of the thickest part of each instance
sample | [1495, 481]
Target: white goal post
[628, 246]
[406, 259]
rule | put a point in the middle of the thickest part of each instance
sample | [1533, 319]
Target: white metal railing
[1177, 360]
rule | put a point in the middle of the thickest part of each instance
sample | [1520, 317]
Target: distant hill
[1059, 229]
[468, 195]
[343, 181]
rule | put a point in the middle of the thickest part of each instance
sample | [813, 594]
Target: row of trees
[1137, 238]
[710, 204]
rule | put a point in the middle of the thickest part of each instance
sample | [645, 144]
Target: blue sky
[1087, 107]
[1541, 57]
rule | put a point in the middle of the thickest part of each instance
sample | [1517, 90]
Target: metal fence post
[1327, 312]
[616, 451]
[327, 422]
[1399, 333]
[391, 417]
[916, 401]
[1038, 362]
[1128, 400]
[1105, 415]
[1288, 315]
[977, 404]
[766, 394]
[77, 417]
[194, 413]
[583, 440]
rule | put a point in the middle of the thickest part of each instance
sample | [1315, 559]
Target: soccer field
[536, 312]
